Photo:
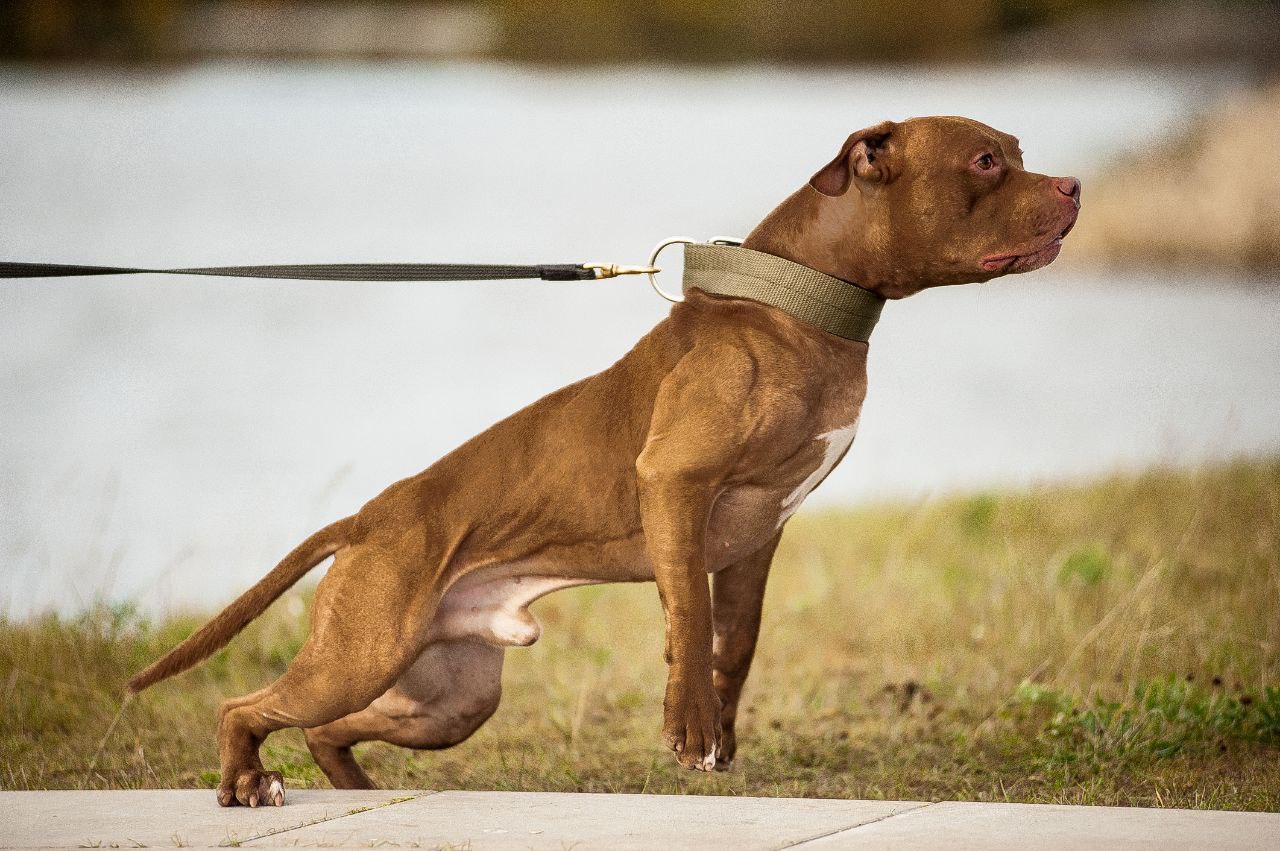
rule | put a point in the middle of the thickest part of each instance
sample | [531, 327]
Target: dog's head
[929, 202]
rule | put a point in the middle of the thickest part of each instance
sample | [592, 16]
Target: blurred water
[169, 439]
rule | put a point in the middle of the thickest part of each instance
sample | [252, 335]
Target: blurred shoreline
[1206, 196]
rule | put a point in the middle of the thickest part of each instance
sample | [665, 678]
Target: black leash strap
[330, 271]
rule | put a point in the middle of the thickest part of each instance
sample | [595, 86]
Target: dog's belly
[492, 604]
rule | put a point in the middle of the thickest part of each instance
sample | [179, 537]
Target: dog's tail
[214, 635]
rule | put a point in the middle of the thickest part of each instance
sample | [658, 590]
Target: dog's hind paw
[252, 788]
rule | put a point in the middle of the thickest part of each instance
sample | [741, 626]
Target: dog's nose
[1069, 187]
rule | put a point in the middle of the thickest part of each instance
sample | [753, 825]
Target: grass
[1110, 643]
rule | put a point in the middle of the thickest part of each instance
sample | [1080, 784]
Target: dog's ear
[861, 157]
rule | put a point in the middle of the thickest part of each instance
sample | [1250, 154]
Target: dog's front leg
[694, 438]
[675, 513]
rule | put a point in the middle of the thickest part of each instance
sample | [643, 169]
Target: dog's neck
[833, 235]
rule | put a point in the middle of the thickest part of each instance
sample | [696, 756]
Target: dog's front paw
[252, 788]
[691, 725]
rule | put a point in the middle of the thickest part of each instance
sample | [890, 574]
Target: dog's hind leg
[369, 624]
[449, 691]
[737, 596]
[339, 764]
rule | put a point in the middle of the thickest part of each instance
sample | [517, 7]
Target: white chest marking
[838, 442]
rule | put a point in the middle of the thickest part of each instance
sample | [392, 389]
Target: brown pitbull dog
[681, 461]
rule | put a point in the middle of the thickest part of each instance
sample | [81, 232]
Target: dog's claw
[696, 756]
[252, 788]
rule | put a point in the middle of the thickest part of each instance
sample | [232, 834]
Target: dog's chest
[835, 443]
[747, 515]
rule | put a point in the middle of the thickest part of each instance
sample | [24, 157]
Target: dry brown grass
[1116, 643]
[1211, 196]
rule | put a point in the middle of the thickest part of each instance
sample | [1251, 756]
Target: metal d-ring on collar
[679, 240]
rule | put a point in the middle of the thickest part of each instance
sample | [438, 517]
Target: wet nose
[1069, 187]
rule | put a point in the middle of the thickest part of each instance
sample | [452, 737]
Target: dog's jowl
[680, 464]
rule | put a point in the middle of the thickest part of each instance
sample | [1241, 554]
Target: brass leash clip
[613, 270]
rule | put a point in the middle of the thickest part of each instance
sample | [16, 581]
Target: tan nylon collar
[833, 305]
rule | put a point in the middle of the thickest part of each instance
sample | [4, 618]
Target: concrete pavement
[520, 820]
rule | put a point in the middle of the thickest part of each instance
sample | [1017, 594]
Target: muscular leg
[368, 608]
[443, 698]
[338, 764]
[737, 593]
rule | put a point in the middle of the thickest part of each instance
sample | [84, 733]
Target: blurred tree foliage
[759, 30]
[121, 30]
[570, 31]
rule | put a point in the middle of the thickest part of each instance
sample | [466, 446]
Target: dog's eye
[986, 162]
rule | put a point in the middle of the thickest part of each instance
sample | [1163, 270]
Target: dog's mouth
[1035, 259]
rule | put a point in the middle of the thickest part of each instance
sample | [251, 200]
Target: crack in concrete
[800, 842]
[426, 793]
